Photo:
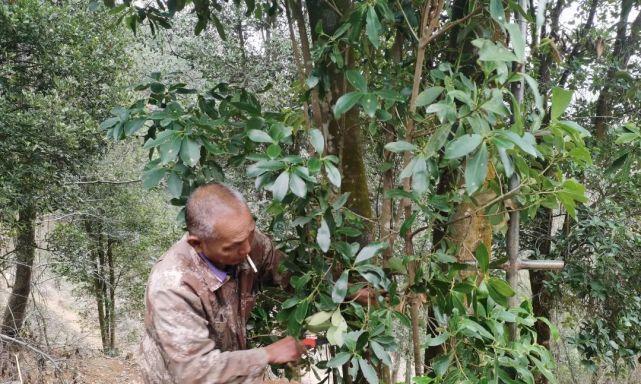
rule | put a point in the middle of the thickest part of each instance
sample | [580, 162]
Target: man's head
[219, 224]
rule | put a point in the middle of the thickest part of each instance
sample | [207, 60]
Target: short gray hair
[207, 204]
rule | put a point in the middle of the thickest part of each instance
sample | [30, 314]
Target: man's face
[234, 236]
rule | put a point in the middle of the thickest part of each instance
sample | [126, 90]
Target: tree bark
[16, 309]
[620, 57]
[112, 295]
[317, 107]
[541, 299]
[345, 132]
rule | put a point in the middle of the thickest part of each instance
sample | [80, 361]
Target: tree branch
[428, 39]
[34, 349]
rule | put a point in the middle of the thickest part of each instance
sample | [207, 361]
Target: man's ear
[194, 241]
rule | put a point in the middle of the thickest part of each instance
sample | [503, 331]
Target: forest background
[429, 149]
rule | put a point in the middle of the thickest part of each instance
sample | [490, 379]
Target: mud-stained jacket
[195, 325]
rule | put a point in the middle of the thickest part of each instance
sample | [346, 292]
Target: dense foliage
[399, 145]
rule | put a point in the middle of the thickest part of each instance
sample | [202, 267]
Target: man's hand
[284, 351]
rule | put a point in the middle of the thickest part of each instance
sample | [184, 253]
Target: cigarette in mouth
[251, 262]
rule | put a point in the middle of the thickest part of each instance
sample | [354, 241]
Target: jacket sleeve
[267, 259]
[183, 336]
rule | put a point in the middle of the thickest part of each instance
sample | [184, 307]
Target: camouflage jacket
[195, 325]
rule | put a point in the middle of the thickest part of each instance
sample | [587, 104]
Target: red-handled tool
[314, 341]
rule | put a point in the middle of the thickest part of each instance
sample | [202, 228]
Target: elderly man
[200, 295]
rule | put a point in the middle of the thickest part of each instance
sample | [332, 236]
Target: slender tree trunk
[300, 66]
[317, 107]
[112, 295]
[97, 258]
[15, 311]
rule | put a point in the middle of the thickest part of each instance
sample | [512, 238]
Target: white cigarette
[251, 262]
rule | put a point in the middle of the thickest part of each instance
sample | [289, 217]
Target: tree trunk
[317, 106]
[112, 295]
[620, 56]
[15, 311]
[346, 138]
[97, 259]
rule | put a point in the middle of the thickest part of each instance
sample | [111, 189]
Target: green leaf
[281, 185]
[258, 136]
[507, 163]
[152, 177]
[161, 137]
[157, 87]
[297, 185]
[323, 236]
[170, 149]
[110, 122]
[381, 353]
[273, 151]
[190, 151]
[444, 110]
[289, 303]
[476, 329]
[437, 140]
[488, 51]
[497, 12]
[574, 127]
[301, 220]
[338, 203]
[340, 287]
[338, 320]
[338, 360]
[333, 174]
[301, 311]
[370, 104]
[482, 257]
[438, 340]
[356, 79]
[346, 102]
[627, 137]
[526, 143]
[400, 146]
[561, 98]
[407, 224]
[441, 364]
[501, 286]
[574, 190]
[219, 26]
[534, 87]
[370, 251]
[317, 140]
[132, 126]
[462, 96]
[174, 185]
[428, 96]
[495, 105]
[373, 27]
[255, 123]
[462, 146]
[420, 181]
[319, 318]
[368, 371]
[544, 370]
[314, 165]
[516, 37]
[476, 170]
